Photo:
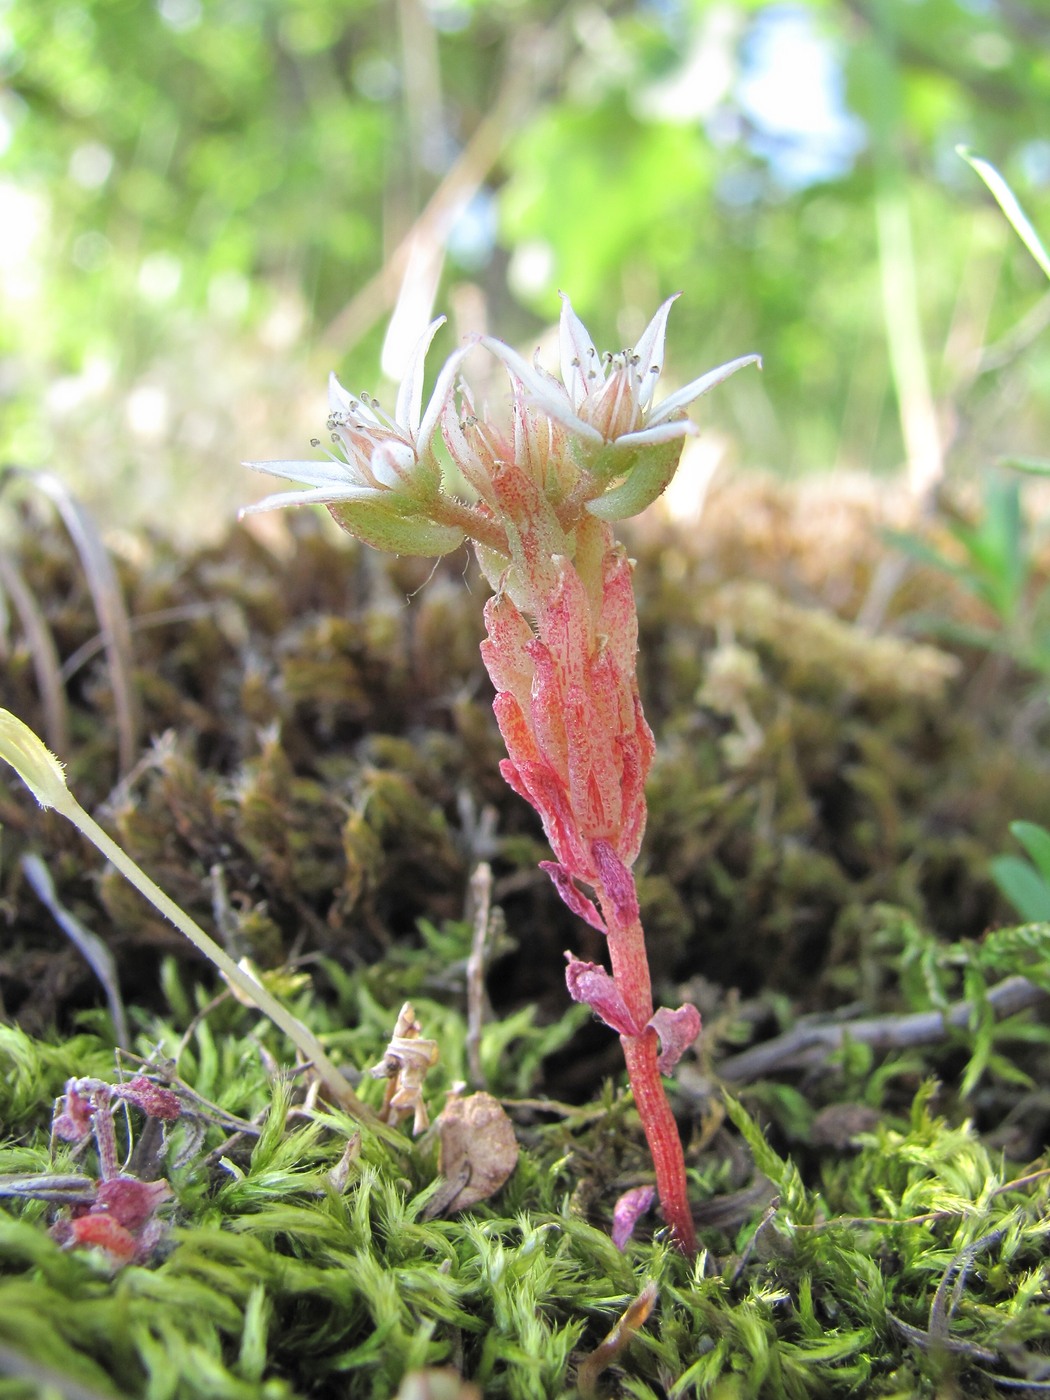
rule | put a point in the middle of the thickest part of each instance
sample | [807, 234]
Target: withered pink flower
[72, 1121]
[130, 1201]
[153, 1099]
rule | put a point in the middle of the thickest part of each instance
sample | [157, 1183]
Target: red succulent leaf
[572, 894]
[106, 1233]
[617, 883]
[677, 1031]
[592, 985]
[505, 652]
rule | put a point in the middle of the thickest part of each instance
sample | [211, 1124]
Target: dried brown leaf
[477, 1151]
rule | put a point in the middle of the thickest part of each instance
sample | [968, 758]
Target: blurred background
[206, 205]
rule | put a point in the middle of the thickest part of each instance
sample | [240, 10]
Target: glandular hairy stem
[661, 1133]
[630, 965]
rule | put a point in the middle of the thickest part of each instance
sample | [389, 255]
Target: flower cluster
[562, 634]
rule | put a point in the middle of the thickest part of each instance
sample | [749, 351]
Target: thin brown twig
[806, 1044]
[481, 908]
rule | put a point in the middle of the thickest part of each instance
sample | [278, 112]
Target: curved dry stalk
[44, 654]
[532, 65]
[88, 944]
[104, 587]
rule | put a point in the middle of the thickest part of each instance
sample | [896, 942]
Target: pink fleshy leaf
[627, 1212]
[504, 652]
[515, 728]
[617, 882]
[677, 1031]
[591, 984]
[545, 790]
[574, 897]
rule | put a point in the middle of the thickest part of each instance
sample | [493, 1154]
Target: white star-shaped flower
[380, 454]
[609, 400]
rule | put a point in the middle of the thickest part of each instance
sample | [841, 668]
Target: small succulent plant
[578, 454]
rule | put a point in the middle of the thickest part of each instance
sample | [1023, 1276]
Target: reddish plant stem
[630, 966]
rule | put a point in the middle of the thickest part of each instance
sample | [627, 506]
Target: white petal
[700, 386]
[658, 432]
[581, 366]
[410, 395]
[392, 462]
[343, 404]
[650, 352]
[543, 390]
[321, 496]
[446, 381]
[332, 473]
[339, 399]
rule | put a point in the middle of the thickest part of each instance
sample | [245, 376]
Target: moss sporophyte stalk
[580, 453]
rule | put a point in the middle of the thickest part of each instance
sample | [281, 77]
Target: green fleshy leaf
[648, 479]
[395, 528]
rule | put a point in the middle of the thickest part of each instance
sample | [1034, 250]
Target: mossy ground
[319, 784]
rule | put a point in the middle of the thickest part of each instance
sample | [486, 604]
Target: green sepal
[396, 527]
[647, 479]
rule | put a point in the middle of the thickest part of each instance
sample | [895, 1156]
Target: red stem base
[661, 1133]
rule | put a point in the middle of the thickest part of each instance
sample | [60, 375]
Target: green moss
[823, 808]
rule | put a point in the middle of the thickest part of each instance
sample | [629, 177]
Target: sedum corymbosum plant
[579, 453]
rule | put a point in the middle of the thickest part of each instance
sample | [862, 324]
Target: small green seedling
[1026, 883]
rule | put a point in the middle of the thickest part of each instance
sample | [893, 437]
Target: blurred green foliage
[203, 203]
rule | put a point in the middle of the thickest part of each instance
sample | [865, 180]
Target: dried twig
[809, 1044]
[477, 1001]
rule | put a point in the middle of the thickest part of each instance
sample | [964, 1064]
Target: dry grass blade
[44, 654]
[481, 912]
[105, 594]
[94, 951]
[634, 1316]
